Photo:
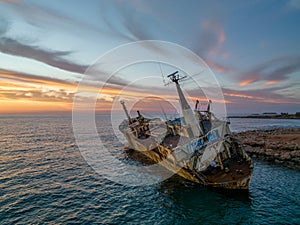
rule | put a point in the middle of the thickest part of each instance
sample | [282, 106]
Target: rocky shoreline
[281, 146]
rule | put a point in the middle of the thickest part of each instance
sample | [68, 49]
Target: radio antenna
[162, 74]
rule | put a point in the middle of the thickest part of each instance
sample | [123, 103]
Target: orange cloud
[23, 93]
[239, 95]
[26, 93]
[217, 67]
[247, 82]
[271, 82]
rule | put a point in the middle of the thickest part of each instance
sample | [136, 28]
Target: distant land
[270, 115]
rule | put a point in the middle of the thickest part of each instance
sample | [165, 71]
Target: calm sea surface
[44, 179]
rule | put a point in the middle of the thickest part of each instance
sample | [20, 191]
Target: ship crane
[126, 111]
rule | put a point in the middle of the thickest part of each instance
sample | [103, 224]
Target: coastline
[281, 145]
[272, 115]
[264, 117]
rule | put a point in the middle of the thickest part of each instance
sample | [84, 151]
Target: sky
[47, 47]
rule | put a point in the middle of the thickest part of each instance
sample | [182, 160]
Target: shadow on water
[190, 203]
[178, 184]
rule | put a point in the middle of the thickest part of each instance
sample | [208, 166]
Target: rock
[280, 146]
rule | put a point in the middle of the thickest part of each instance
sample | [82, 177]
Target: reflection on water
[44, 179]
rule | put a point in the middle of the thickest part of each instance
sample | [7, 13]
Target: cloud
[211, 38]
[268, 95]
[21, 86]
[53, 58]
[15, 86]
[133, 25]
[13, 80]
[9, 1]
[43, 17]
[218, 67]
[246, 82]
[273, 71]
[295, 4]
[131, 14]
[209, 44]
[271, 82]
[50, 57]
[4, 26]
[15, 76]
[38, 95]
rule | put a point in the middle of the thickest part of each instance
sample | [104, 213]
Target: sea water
[45, 180]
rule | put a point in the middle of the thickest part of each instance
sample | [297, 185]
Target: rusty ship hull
[232, 167]
[197, 146]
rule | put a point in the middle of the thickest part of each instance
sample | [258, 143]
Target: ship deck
[173, 140]
[235, 169]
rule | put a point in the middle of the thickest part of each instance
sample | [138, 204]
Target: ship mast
[188, 113]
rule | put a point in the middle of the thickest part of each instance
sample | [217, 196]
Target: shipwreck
[197, 146]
